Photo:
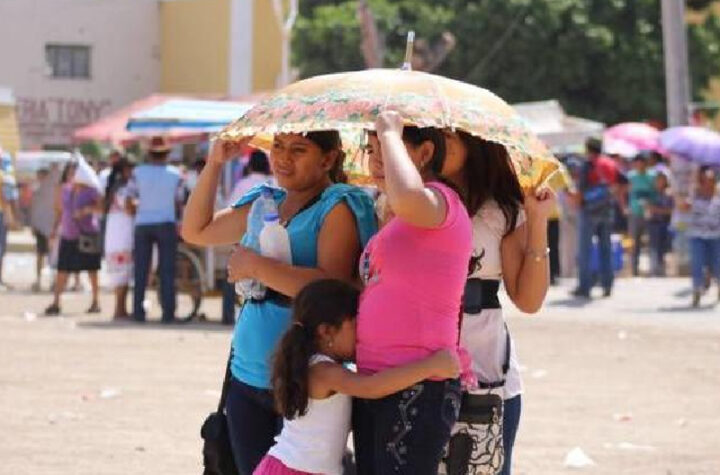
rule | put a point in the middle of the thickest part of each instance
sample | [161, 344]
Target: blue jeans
[253, 424]
[659, 245]
[146, 236]
[511, 421]
[406, 432]
[704, 253]
[589, 226]
[638, 229]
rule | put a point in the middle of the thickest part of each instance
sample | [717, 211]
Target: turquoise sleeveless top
[261, 325]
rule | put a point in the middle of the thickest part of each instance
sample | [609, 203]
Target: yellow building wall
[195, 42]
[267, 47]
[711, 92]
[9, 133]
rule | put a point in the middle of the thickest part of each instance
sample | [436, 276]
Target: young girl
[313, 389]
[704, 232]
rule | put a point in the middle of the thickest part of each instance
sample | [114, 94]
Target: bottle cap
[271, 217]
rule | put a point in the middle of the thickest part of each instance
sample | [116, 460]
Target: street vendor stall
[561, 132]
[188, 115]
[183, 117]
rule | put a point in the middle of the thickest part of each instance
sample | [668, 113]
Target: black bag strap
[226, 384]
[506, 362]
[312, 202]
[505, 366]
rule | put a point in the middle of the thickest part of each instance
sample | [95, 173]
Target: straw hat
[159, 144]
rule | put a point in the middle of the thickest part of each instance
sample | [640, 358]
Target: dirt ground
[633, 380]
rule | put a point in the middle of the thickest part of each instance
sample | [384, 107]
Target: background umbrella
[351, 101]
[696, 144]
[629, 138]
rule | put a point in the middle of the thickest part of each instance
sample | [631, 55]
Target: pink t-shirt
[414, 280]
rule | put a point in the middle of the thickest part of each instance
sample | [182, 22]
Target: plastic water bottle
[274, 240]
[264, 204]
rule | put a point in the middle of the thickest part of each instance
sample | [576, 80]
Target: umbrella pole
[407, 65]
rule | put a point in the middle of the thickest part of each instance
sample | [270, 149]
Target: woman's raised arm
[407, 195]
[201, 225]
[525, 265]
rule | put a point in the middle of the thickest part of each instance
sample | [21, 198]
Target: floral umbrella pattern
[351, 101]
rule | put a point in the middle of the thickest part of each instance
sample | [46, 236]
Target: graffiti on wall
[52, 120]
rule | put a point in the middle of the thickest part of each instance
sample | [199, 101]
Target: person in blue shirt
[328, 223]
[156, 189]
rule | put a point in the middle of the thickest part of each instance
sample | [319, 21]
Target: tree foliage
[602, 59]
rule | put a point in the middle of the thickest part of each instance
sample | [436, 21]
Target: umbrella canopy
[693, 143]
[351, 101]
[195, 115]
[629, 138]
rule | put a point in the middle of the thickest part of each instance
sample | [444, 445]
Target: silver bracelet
[537, 256]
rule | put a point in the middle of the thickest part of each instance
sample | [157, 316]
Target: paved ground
[633, 381]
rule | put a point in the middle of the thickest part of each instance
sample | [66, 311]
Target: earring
[329, 344]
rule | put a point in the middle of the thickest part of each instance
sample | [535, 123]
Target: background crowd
[117, 212]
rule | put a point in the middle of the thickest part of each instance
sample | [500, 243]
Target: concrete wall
[125, 61]
[195, 46]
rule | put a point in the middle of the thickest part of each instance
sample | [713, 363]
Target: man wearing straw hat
[155, 186]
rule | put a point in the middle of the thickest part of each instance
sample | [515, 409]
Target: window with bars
[68, 61]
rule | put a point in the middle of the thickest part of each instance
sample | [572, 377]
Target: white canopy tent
[561, 132]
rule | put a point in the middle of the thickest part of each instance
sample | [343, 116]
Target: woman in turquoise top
[328, 223]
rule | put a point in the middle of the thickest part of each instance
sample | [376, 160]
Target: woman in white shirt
[509, 245]
[119, 238]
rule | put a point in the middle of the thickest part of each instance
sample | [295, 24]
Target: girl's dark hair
[65, 177]
[417, 135]
[329, 140]
[115, 180]
[258, 163]
[490, 176]
[327, 301]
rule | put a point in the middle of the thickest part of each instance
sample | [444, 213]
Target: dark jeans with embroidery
[405, 433]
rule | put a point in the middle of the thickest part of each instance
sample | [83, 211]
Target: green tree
[602, 59]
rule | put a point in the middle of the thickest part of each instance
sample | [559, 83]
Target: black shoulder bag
[217, 453]
[476, 441]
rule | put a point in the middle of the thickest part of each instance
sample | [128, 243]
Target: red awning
[112, 128]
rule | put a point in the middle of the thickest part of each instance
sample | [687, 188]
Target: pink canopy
[629, 138]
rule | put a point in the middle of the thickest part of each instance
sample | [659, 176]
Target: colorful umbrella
[351, 101]
[557, 180]
[693, 143]
[629, 138]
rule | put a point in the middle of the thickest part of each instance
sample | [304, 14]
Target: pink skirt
[272, 466]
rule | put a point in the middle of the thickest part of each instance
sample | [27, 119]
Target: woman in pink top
[414, 271]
